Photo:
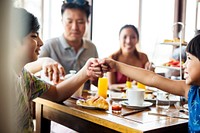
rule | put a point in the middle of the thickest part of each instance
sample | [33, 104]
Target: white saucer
[144, 105]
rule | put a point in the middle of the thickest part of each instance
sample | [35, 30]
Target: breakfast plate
[118, 88]
[97, 103]
[79, 103]
[144, 105]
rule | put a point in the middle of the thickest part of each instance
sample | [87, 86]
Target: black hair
[24, 22]
[132, 27]
[73, 5]
[193, 46]
[197, 32]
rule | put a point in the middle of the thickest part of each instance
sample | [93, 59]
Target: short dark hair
[197, 32]
[193, 46]
[24, 22]
[132, 27]
[73, 5]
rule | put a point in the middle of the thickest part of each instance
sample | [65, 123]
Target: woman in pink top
[128, 53]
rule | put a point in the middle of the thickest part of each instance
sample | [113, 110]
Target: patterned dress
[27, 87]
[194, 109]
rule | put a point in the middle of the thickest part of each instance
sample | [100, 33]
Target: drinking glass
[116, 107]
[162, 100]
[103, 87]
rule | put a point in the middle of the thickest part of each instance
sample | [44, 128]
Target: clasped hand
[103, 65]
[93, 68]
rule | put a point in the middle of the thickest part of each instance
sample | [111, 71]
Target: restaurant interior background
[150, 16]
[154, 19]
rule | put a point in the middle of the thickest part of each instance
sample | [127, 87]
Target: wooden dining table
[87, 120]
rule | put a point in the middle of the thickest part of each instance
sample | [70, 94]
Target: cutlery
[132, 112]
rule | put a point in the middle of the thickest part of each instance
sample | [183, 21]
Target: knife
[132, 112]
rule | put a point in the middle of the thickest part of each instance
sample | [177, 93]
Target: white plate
[79, 103]
[145, 105]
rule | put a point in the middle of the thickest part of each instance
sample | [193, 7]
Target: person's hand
[150, 66]
[108, 65]
[93, 68]
[53, 71]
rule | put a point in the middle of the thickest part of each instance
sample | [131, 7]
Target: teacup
[135, 96]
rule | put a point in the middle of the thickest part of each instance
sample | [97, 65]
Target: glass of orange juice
[128, 83]
[140, 85]
[103, 86]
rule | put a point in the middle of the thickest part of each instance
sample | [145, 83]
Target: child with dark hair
[189, 88]
[26, 48]
[197, 32]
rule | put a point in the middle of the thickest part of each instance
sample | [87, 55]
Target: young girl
[27, 86]
[189, 88]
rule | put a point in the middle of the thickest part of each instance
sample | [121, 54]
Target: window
[108, 17]
[52, 25]
[33, 6]
[190, 20]
[156, 25]
[157, 17]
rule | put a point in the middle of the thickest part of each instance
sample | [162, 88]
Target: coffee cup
[135, 96]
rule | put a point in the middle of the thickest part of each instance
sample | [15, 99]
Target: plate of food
[93, 102]
[118, 88]
[81, 102]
